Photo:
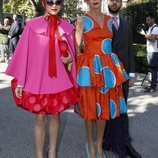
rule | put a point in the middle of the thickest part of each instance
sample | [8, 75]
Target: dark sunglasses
[52, 2]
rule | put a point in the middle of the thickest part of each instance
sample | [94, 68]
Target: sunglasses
[118, 1]
[52, 2]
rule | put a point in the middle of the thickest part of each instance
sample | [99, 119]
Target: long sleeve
[70, 39]
[131, 52]
[18, 64]
[14, 32]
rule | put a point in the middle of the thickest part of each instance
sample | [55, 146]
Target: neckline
[101, 27]
[152, 25]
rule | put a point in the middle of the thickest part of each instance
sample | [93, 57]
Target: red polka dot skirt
[46, 103]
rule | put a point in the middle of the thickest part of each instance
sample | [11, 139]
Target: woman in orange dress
[100, 75]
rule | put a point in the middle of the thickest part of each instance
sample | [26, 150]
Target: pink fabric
[29, 64]
[114, 20]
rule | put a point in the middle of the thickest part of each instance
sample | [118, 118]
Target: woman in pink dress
[42, 83]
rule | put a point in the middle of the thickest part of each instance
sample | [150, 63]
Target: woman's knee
[55, 117]
[41, 120]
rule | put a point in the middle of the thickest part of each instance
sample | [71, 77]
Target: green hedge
[140, 50]
[140, 58]
[136, 14]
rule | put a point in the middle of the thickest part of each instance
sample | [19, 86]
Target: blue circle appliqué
[97, 64]
[87, 24]
[106, 46]
[112, 109]
[109, 77]
[98, 109]
[83, 77]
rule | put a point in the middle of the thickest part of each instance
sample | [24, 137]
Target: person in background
[116, 135]
[4, 42]
[14, 33]
[152, 50]
[42, 83]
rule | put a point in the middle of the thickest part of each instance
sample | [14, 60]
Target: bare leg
[89, 129]
[100, 125]
[39, 133]
[53, 134]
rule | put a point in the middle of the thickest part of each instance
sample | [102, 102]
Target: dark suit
[117, 130]
[123, 47]
[14, 34]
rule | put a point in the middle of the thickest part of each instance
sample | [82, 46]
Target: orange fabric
[93, 104]
[91, 46]
[90, 96]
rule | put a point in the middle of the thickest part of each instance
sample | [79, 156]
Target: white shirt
[152, 46]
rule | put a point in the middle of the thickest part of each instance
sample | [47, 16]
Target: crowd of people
[55, 67]
[10, 31]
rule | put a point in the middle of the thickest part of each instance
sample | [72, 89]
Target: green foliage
[3, 31]
[71, 8]
[35, 9]
[136, 15]
[140, 58]
[1, 10]
[140, 50]
[19, 6]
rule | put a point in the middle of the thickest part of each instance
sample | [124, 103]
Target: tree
[71, 8]
[38, 8]
[19, 6]
[31, 8]
[137, 19]
[1, 10]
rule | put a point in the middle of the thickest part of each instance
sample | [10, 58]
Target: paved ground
[16, 126]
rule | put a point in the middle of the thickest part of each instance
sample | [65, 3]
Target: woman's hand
[67, 60]
[18, 91]
[79, 54]
[131, 81]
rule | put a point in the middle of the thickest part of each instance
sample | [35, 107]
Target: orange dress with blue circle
[100, 74]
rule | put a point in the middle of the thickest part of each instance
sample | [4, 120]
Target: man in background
[4, 42]
[116, 136]
[152, 50]
[14, 33]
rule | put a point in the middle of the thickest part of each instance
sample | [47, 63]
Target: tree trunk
[38, 7]
[33, 3]
[1, 10]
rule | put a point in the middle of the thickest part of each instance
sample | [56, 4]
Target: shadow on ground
[16, 128]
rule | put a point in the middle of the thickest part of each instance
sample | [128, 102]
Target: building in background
[84, 7]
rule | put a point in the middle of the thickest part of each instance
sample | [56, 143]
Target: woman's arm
[78, 35]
